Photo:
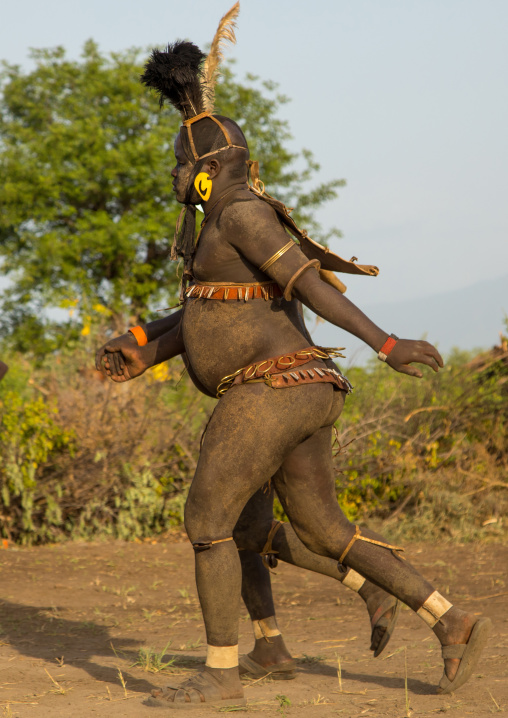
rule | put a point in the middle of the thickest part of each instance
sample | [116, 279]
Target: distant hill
[467, 318]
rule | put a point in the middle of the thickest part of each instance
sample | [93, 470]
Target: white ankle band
[353, 580]
[434, 608]
[222, 656]
[265, 628]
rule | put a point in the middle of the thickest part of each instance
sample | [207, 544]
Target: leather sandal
[379, 620]
[197, 692]
[285, 671]
[469, 653]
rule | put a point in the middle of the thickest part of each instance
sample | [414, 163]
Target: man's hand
[409, 351]
[121, 359]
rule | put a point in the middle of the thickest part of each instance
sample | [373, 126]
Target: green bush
[427, 456]
[83, 457]
[30, 441]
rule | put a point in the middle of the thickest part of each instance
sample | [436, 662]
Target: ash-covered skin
[257, 432]
[255, 429]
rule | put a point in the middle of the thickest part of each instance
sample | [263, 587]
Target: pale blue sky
[406, 99]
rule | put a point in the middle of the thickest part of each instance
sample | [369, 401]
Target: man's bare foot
[383, 609]
[269, 656]
[214, 686]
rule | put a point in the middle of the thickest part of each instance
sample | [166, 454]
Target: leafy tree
[87, 212]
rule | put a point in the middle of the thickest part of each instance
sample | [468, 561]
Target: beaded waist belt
[280, 372]
[255, 290]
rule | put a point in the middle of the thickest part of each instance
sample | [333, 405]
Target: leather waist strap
[279, 372]
[309, 376]
[238, 292]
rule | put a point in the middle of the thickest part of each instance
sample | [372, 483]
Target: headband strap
[202, 116]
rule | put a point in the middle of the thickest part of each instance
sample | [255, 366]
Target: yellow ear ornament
[203, 185]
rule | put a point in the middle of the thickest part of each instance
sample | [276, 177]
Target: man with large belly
[245, 341]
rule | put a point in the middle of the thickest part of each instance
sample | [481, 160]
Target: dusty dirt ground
[80, 624]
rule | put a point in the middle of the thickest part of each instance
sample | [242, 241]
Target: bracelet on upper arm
[139, 335]
[277, 255]
[289, 286]
[387, 347]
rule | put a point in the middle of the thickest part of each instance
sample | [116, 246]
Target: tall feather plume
[225, 33]
[177, 76]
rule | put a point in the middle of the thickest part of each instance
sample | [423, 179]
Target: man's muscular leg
[269, 654]
[250, 535]
[306, 489]
[252, 430]
[251, 532]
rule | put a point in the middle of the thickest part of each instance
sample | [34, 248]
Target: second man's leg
[306, 488]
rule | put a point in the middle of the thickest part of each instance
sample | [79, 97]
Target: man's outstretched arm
[333, 306]
[122, 358]
[153, 330]
[260, 240]
[158, 327]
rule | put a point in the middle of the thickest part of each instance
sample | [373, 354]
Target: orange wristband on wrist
[387, 347]
[139, 335]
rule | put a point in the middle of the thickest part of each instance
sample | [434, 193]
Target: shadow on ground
[40, 633]
[413, 685]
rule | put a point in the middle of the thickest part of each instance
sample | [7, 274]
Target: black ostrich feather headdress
[186, 77]
[175, 74]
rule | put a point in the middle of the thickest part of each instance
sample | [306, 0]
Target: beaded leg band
[222, 656]
[265, 628]
[434, 609]
[353, 580]
[357, 536]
